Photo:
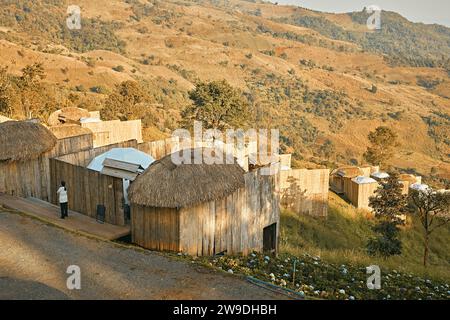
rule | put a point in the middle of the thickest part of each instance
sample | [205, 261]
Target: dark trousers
[64, 209]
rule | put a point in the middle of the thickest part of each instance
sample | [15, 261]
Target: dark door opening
[270, 238]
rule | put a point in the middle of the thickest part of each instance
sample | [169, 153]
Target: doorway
[270, 238]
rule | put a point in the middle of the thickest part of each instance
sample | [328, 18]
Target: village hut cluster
[358, 184]
[194, 208]
[200, 209]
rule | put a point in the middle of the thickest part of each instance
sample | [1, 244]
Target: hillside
[308, 73]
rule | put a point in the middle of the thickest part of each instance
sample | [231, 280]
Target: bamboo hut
[26, 148]
[340, 175]
[358, 190]
[204, 209]
[70, 115]
[407, 180]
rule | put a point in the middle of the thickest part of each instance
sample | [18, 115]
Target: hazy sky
[429, 11]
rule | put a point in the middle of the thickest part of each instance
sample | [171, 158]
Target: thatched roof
[71, 115]
[69, 130]
[165, 184]
[22, 140]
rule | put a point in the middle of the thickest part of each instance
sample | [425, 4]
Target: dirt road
[34, 258]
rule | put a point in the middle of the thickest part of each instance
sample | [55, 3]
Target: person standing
[63, 201]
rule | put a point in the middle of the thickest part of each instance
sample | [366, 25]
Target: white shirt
[62, 195]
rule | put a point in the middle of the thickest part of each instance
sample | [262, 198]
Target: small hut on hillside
[407, 180]
[340, 175]
[379, 176]
[204, 209]
[26, 148]
[358, 190]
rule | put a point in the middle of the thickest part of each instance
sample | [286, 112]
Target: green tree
[128, 101]
[217, 105]
[433, 210]
[30, 88]
[388, 204]
[5, 92]
[383, 142]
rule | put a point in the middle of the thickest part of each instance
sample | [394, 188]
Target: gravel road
[34, 258]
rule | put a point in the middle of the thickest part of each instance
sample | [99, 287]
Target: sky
[430, 11]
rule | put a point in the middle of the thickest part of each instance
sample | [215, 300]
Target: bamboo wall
[234, 224]
[115, 131]
[32, 178]
[161, 148]
[88, 188]
[359, 194]
[305, 191]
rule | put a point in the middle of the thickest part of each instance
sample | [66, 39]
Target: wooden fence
[32, 178]
[305, 191]
[115, 131]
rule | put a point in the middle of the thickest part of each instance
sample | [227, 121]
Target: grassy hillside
[307, 73]
[342, 239]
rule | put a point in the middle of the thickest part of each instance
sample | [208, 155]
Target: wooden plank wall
[161, 148]
[87, 189]
[359, 194]
[83, 158]
[156, 228]
[115, 131]
[308, 190]
[233, 224]
[32, 178]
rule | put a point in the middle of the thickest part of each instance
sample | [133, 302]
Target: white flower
[317, 292]
[283, 283]
[230, 271]
[351, 298]
[342, 291]
[267, 258]
[286, 275]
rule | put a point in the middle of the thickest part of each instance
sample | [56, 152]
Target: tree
[30, 88]
[126, 102]
[5, 92]
[388, 204]
[383, 142]
[217, 105]
[433, 210]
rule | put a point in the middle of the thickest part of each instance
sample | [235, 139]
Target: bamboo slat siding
[32, 178]
[233, 224]
[87, 189]
[305, 191]
[111, 132]
[161, 148]
[359, 194]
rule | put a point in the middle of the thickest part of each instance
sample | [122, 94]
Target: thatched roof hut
[23, 140]
[69, 130]
[168, 185]
[67, 115]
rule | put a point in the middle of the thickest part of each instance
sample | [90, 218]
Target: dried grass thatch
[168, 185]
[70, 114]
[23, 140]
[69, 130]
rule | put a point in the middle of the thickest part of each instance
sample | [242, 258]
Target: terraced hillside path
[35, 256]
